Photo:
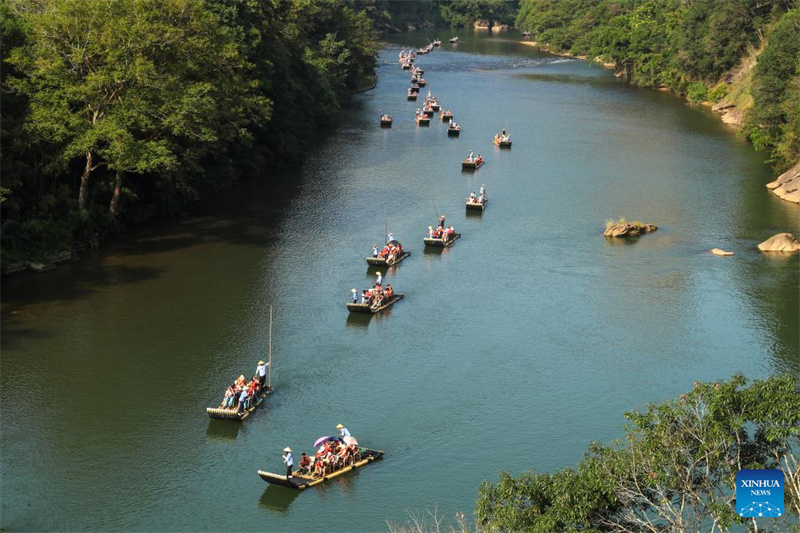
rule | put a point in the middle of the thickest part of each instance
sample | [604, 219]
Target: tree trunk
[85, 182]
[113, 207]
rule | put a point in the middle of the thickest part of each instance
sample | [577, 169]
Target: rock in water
[782, 242]
[625, 229]
[719, 251]
[787, 186]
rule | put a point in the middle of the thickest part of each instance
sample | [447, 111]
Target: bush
[718, 93]
[697, 92]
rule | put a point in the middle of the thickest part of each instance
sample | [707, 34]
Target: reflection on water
[277, 498]
[223, 430]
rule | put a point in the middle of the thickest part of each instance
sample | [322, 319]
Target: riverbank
[731, 109]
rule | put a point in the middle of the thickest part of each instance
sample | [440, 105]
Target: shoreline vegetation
[118, 112]
[99, 135]
[674, 471]
[739, 58]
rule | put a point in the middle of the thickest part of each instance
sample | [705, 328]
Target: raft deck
[502, 144]
[440, 243]
[367, 308]
[467, 165]
[475, 206]
[221, 413]
[301, 482]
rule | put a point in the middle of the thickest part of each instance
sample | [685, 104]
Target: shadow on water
[474, 213]
[621, 241]
[276, 498]
[223, 430]
[358, 320]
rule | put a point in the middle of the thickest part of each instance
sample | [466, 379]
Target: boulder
[721, 252]
[782, 242]
[787, 186]
[625, 229]
[41, 267]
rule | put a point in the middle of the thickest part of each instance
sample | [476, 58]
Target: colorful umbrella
[324, 439]
[351, 440]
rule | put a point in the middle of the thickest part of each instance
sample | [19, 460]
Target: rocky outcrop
[481, 24]
[730, 114]
[782, 242]
[720, 252]
[626, 229]
[499, 27]
[787, 186]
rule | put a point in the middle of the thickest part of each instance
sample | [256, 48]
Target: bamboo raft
[501, 144]
[454, 132]
[428, 112]
[367, 308]
[414, 88]
[422, 82]
[386, 122]
[379, 261]
[411, 95]
[440, 243]
[435, 106]
[476, 206]
[471, 165]
[406, 66]
[301, 481]
[422, 120]
[445, 116]
[220, 413]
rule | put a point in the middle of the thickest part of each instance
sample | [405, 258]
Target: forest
[116, 112]
[698, 49]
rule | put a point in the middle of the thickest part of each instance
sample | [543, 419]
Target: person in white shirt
[288, 460]
[261, 373]
[379, 281]
[390, 237]
[344, 432]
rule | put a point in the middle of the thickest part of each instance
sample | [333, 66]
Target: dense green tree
[675, 471]
[689, 47]
[183, 95]
[774, 122]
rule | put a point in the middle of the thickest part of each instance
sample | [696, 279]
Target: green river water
[512, 350]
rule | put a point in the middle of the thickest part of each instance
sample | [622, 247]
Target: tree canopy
[675, 471]
[118, 110]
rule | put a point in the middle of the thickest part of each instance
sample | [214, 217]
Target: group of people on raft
[441, 232]
[243, 394]
[391, 252]
[504, 136]
[479, 198]
[472, 159]
[375, 296]
[332, 454]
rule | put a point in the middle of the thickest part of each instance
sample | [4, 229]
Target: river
[512, 350]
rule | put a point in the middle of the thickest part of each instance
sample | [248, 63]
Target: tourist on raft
[343, 431]
[242, 394]
[391, 252]
[331, 456]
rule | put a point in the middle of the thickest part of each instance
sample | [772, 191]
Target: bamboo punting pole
[269, 359]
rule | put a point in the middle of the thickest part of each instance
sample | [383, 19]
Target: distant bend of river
[512, 350]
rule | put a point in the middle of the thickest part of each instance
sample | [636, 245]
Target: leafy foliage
[688, 47]
[675, 471]
[170, 93]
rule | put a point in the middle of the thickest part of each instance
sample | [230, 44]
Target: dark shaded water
[512, 350]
